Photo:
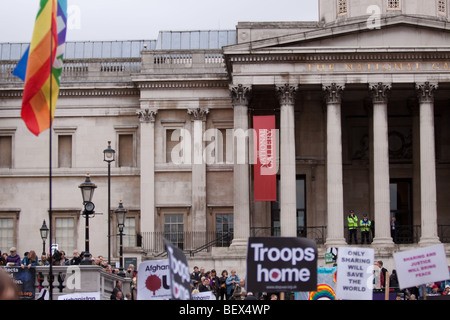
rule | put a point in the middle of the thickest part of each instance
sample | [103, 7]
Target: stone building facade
[361, 104]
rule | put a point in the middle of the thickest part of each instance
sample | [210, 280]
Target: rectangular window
[129, 238]
[64, 151]
[5, 152]
[65, 234]
[170, 145]
[224, 229]
[6, 234]
[126, 150]
[174, 229]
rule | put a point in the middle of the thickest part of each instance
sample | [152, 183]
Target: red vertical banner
[265, 168]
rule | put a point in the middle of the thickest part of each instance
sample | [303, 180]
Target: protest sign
[202, 296]
[24, 278]
[421, 266]
[180, 277]
[154, 280]
[86, 296]
[281, 264]
[355, 273]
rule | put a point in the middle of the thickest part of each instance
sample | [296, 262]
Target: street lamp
[44, 234]
[121, 213]
[87, 192]
[109, 155]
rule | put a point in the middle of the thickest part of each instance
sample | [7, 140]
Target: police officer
[352, 221]
[365, 225]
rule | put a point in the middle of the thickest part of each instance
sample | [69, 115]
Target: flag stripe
[41, 88]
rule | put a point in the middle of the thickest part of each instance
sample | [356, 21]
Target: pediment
[406, 32]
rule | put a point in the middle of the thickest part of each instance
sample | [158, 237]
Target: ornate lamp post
[87, 192]
[109, 155]
[44, 234]
[121, 213]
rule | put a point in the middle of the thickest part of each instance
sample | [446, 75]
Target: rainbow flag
[41, 66]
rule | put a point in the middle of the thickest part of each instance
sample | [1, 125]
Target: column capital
[147, 115]
[286, 94]
[425, 91]
[380, 92]
[198, 113]
[333, 93]
[241, 95]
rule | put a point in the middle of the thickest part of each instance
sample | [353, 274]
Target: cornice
[344, 54]
[182, 84]
[109, 92]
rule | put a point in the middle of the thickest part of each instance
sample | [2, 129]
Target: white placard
[355, 273]
[421, 266]
[204, 296]
[153, 281]
[81, 296]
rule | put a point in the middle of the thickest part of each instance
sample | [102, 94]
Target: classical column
[241, 194]
[427, 164]
[198, 172]
[335, 187]
[288, 194]
[147, 118]
[381, 180]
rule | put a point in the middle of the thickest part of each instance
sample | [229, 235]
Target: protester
[117, 293]
[231, 282]
[13, 259]
[30, 260]
[222, 295]
[214, 282]
[2, 260]
[195, 277]
[205, 285]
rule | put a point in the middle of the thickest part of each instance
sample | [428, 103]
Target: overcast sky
[91, 20]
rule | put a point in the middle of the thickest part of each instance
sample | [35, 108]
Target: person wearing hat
[365, 225]
[352, 221]
[13, 258]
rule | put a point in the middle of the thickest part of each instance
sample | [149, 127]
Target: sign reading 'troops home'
[281, 264]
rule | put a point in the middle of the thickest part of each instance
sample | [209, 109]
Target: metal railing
[319, 234]
[191, 242]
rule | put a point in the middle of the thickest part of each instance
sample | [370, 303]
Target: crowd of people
[414, 293]
[224, 286]
[59, 258]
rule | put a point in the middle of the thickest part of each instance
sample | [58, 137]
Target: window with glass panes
[65, 234]
[173, 229]
[6, 234]
[129, 231]
[224, 229]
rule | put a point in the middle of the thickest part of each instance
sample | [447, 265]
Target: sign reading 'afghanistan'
[281, 264]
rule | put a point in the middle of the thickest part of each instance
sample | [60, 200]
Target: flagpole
[50, 213]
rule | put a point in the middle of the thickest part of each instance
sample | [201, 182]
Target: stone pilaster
[288, 195]
[147, 117]
[335, 187]
[428, 203]
[380, 164]
[241, 96]
[198, 116]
